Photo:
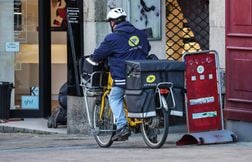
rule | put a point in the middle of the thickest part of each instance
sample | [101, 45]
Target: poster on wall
[58, 15]
[146, 15]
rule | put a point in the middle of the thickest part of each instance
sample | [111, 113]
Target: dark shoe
[122, 134]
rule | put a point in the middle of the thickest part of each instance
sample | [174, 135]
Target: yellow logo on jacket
[150, 78]
[133, 41]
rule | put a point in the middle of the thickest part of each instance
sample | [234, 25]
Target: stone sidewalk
[31, 140]
[39, 126]
[23, 147]
[30, 125]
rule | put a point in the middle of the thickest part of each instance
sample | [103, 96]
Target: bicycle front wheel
[155, 129]
[103, 124]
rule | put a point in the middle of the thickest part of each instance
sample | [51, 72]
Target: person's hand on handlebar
[90, 60]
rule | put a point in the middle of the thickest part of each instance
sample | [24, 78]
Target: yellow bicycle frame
[131, 121]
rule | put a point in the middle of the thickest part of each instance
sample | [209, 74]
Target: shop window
[187, 27]
[17, 15]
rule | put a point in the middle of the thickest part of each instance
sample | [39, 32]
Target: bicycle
[154, 129]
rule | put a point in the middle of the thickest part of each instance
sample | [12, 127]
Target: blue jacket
[125, 43]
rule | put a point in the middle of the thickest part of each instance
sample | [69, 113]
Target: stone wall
[6, 35]
[217, 28]
[95, 27]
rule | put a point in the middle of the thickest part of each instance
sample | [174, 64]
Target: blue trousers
[116, 103]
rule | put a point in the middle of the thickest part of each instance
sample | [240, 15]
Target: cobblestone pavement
[21, 147]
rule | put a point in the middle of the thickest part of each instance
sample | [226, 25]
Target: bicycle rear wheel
[155, 129]
[103, 124]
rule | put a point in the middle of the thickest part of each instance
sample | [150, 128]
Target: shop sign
[34, 91]
[30, 102]
[12, 46]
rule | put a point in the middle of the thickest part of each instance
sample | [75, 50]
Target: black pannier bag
[140, 103]
[179, 97]
[142, 74]
[92, 74]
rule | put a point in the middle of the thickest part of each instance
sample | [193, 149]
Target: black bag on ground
[59, 115]
[62, 98]
[141, 103]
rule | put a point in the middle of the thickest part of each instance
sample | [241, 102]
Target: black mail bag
[143, 74]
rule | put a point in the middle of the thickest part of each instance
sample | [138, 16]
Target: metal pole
[44, 58]
[75, 43]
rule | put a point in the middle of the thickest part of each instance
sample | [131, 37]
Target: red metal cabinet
[203, 101]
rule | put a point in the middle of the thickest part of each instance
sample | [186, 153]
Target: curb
[8, 129]
[11, 129]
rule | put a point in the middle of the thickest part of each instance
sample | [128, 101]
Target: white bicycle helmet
[116, 13]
